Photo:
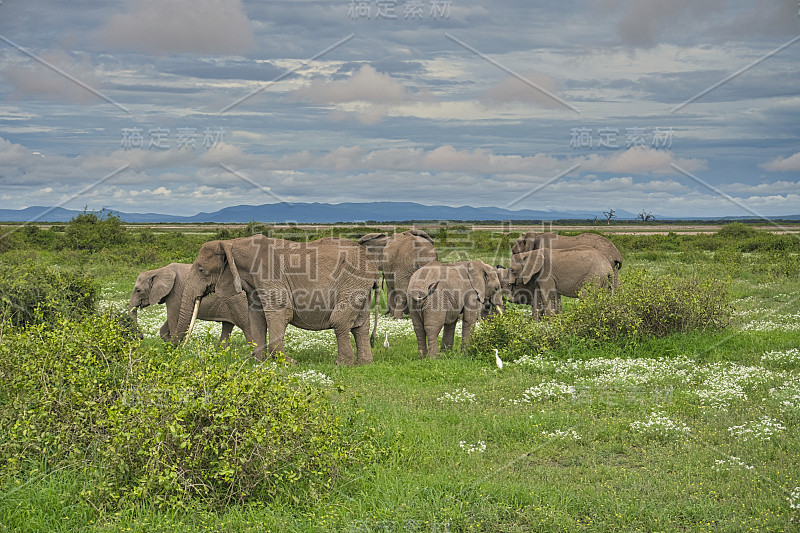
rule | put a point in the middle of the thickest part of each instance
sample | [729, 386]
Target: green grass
[615, 477]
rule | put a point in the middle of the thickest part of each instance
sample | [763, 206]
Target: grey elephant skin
[399, 256]
[540, 277]
[165, 285]
[539, 241]
[323, 284]
[440, 293]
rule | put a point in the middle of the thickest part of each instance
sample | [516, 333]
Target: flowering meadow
[687, 431]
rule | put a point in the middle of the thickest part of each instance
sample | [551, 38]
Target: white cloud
[177, 26]
[366, 85]
[783, 164]
[538, 89]
[640, 161]
[369, 93]
[35, 80]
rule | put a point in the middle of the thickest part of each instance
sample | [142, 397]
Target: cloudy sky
[674, 107]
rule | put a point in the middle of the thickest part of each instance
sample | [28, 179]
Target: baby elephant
[540, 277]
[165, 285]
[441, 292]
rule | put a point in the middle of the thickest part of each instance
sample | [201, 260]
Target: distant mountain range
[306, 213]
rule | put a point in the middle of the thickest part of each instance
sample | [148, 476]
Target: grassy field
[688, 432]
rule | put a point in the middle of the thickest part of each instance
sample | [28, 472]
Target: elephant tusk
[499, 310]
[134, 311]
[191, 323]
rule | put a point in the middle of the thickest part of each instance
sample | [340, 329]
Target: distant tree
[644, 216]
[93, 231]
[609, 215]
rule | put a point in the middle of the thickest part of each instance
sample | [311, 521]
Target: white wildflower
[315, 378]
[479, 446]
[563, 435]
[459, 396]
[727, 464]
[762, 429]
[660, 425]
[794, 498]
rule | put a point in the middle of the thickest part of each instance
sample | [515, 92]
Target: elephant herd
[261, 285]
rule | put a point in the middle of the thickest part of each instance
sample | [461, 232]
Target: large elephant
[539, 277]
[538, 241]
[441, 292]
[323, 284]
[165, 285]
[400, 255]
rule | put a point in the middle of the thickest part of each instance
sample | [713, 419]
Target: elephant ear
[161, 283]
[420, 233]
[532, 263]
[372, 239]
[519, 246]
[477, 279]
[229, 281]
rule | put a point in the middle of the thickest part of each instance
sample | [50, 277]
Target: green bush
[55, 384]
[643, 306]
[514, 334]
[94, 231]
[162, 424]
[34, 294]
[650, 306]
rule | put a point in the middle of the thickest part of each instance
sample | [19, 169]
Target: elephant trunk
[192, 321]
[191, 291]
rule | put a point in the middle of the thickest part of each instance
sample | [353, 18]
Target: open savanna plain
[691, 427]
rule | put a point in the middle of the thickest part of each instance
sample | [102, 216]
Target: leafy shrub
[213, 433]
[643, 306]
[736, 230]
[778, 264]
[161, 424]
[513, 334]
[34, 294]
[646, 306]
[94, 231]
[55, 383]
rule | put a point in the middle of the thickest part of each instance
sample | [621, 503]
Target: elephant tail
[377, 288]
[417, 296]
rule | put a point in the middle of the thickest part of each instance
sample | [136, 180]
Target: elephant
[323, 284]
[402, 254]
[439, 293]
[533, 241]
[165, 285]
[539, 277]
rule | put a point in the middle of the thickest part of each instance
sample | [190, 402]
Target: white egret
[497, 359]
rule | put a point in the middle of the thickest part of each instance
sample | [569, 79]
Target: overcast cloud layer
[680, 108]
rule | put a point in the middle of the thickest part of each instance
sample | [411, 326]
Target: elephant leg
[363, 348]
[432, 333]
[344, 347]
[400, 295]
[552, 302]
[419, 332]
[225, 336]
[448, 336]
[467, 324]
[391, 299]
[401, 304]
[164, 332]
[276, 330]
